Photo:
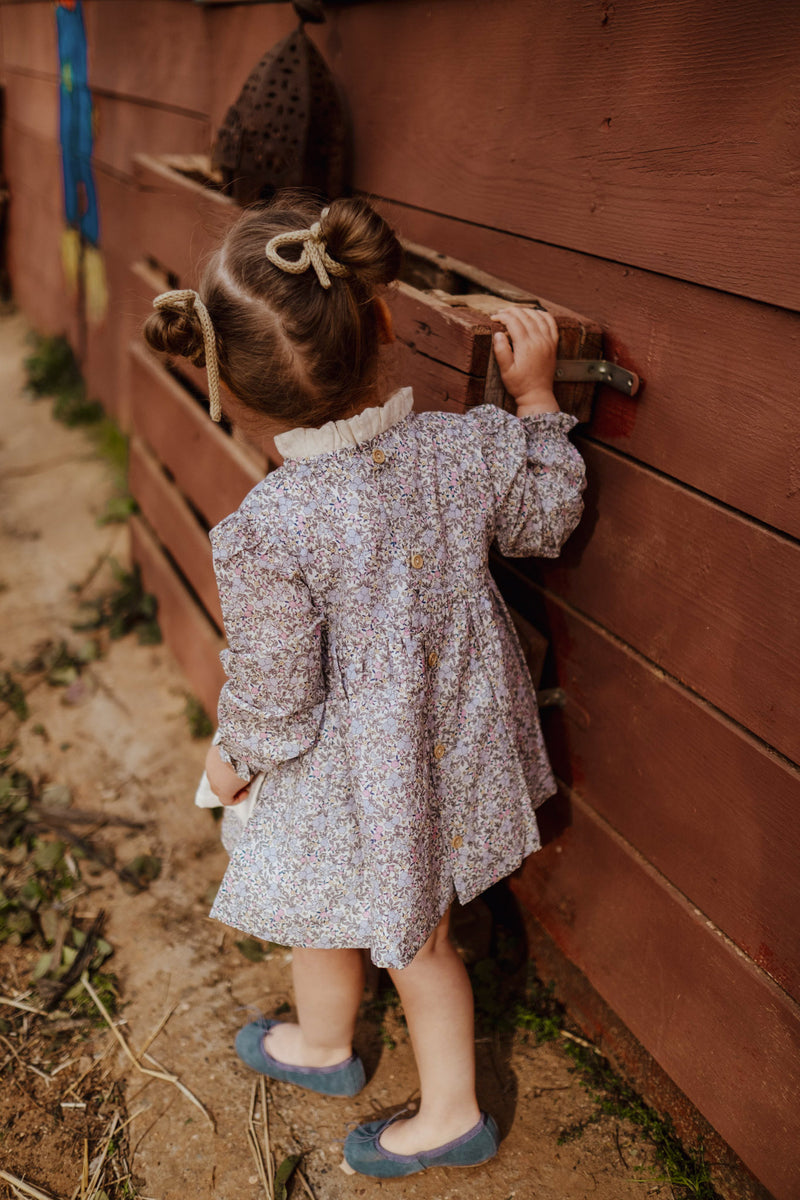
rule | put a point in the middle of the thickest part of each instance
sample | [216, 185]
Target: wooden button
[433, 659]
[417, 561]
[439, 751]
[378, 456]
[458, 842]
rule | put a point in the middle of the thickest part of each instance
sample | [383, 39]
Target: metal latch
[596, 370]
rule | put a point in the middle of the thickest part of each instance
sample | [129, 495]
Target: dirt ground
[121, 742]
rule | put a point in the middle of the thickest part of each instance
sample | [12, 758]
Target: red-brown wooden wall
[638, 163]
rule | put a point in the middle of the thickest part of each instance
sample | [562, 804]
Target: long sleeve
[537, 479]
[271, 706]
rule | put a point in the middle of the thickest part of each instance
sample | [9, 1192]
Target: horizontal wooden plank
[29, 37]
[175, 525]
[455, 327]
[186, 629]
[154, 50]
[211, 470]
[179, 220]
[716, 1024]
[705, 803]
[718, 410]
[706, 594]
[125, 128]
[463, 339]
[669, 171]
[32, 102]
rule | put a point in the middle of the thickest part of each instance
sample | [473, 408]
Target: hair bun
[176, 332]
[359, 238]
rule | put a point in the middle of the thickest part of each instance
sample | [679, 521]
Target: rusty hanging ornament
[287, 128]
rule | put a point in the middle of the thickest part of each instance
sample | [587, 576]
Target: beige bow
[187, 299]
[314, 253]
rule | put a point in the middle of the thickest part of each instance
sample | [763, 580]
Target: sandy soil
[121, 742]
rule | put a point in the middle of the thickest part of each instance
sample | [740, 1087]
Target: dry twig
[19, 1185]
[167, 1076]
[264, 1172]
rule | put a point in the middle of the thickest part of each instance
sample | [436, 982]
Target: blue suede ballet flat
[364, 1153]
[343, 1079]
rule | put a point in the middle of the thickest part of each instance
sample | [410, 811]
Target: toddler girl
[376, 687]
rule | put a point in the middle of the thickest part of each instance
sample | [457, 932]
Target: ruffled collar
[337, 435]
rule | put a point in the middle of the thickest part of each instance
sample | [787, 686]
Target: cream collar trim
[337, 435]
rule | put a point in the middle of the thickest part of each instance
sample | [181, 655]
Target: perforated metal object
[286, 129]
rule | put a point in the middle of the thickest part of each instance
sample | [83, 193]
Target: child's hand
[225, 783]
[526, 356]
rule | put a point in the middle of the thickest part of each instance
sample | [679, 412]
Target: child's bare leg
[328, 985]
[437, 1000]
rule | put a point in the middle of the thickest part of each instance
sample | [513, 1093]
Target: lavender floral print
[375, 676]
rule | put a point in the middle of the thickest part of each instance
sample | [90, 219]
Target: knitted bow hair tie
[186, 300]
[314, 253]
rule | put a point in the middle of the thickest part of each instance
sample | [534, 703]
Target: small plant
[126, 609]
[12, 695]
[200, 725]
[53, 371]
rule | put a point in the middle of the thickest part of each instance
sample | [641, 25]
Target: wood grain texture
[429, 326]
[175, 525]
[664, 138]
[709, 596]
[717, 1025]
[208, 466]
[187, 631]
[700, 799]
[718, 410]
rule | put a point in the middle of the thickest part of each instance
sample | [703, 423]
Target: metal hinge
[596, 370]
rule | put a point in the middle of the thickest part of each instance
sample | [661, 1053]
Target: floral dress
[375, 676]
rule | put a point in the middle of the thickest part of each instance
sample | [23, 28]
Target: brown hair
[287, 347]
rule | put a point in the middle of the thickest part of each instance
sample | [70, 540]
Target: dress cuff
[241, 769]
[555, 420]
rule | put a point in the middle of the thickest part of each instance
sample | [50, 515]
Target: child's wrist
[539, 400]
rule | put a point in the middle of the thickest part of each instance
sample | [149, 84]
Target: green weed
[200, 725]
[686, 1169]
[125, 609]
[53, 370]
[12, 695]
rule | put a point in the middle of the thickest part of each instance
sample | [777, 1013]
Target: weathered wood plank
[671, 172]
[708, 595]
[443, 309]
[719, 1026]
[431, 327]
[718, 410]
[186, 629]
[175, 525]
[211, 470]
[704, 802]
